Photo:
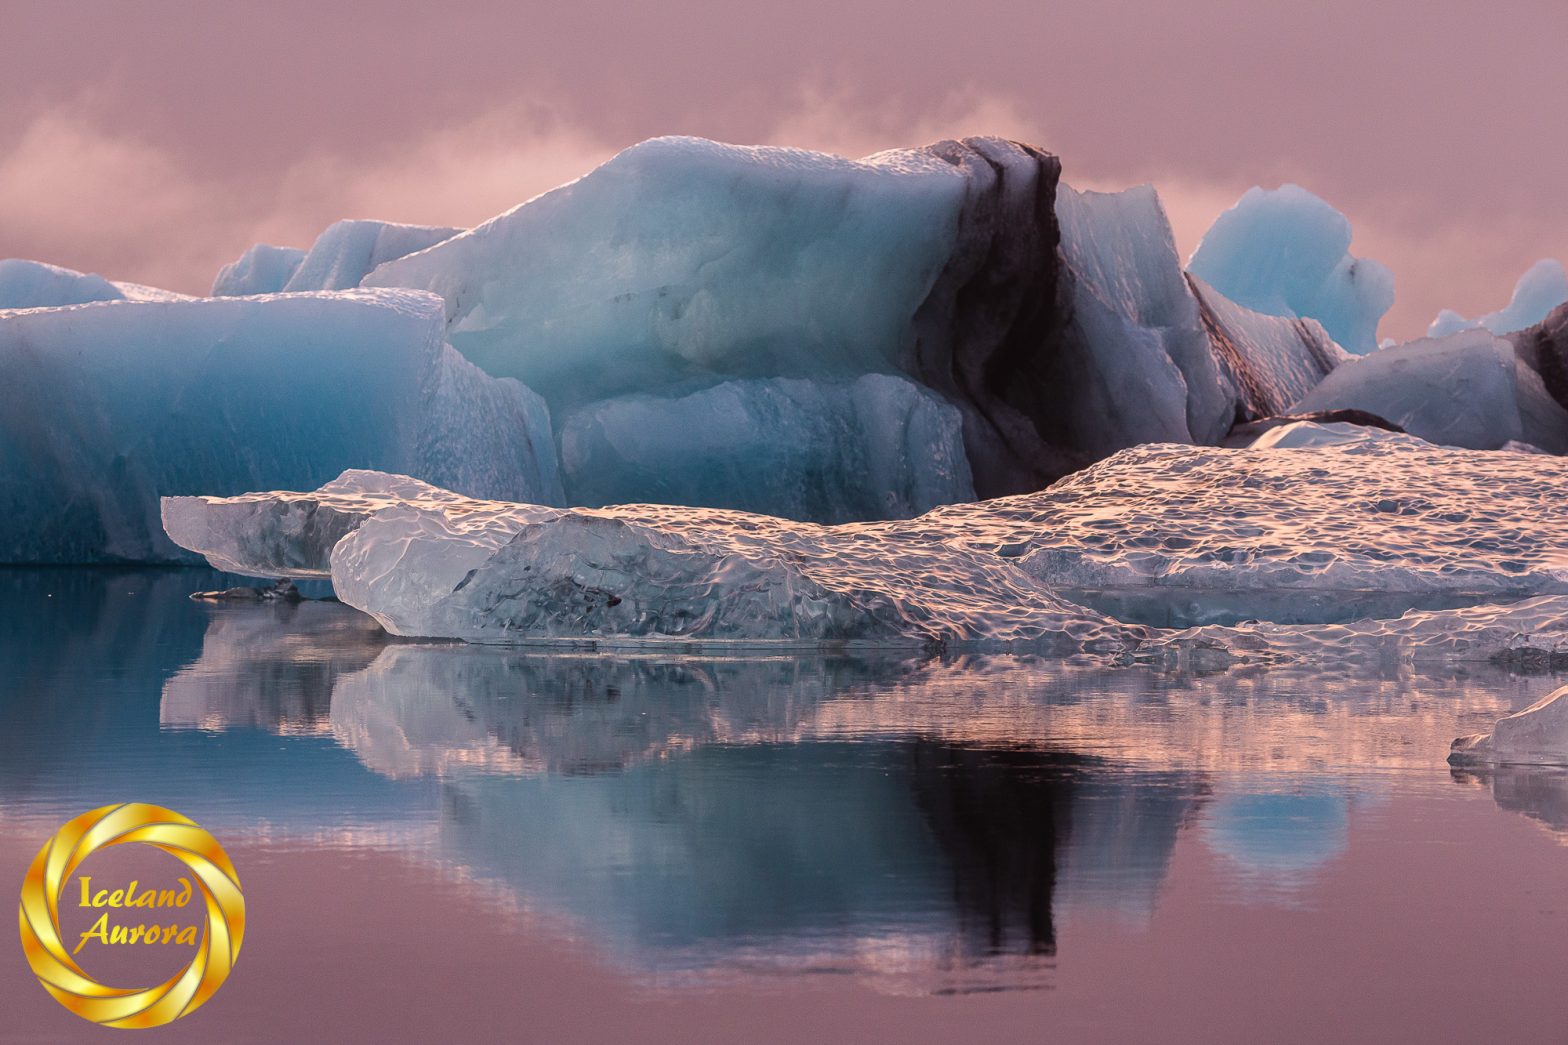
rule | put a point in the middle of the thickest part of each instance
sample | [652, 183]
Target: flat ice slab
[1386, 514]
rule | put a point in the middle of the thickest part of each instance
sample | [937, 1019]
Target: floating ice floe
[1538, 735]
[1286, 252]
[1297, 536]
[111, 405]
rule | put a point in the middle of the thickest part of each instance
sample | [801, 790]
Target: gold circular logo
[175, 835]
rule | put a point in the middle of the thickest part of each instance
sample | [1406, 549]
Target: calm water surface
[453, 842]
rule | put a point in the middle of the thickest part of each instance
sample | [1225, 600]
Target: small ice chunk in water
[1536, 736]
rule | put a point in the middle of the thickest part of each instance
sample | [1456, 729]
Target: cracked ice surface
[428, 563]
[1388, 514]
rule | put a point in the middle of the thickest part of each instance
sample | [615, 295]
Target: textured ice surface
[1299, 434]
[1287, 253]
[1538, 735]
[263, 269]
[113, 404]
[1270, 361]
[1542, 288]
[427, 564]
[1385, 514]
[1466, 390]
[33, 284]
[879, 447]
[292, 534]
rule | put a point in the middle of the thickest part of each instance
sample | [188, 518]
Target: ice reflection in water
[929, 823]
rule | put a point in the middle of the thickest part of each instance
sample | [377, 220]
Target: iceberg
[682, 256]
[1057, 323]
[1269, 361]
[1467, 390]
[1383, 512]
[34, 284]
[1286, 252]
[1137, 365]
[340, 258]
[1542, 288]
[263, 269]
[1544, 349]
[114, 404]
[682, 266]
[424, 562]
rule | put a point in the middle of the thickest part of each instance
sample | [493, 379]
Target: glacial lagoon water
[471, 843]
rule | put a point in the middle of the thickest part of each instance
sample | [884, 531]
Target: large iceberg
[1058, 323]
[1286, 252]
[114, 404]
[1542, 288]
[1467, 389]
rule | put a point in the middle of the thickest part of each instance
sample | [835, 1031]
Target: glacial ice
[1270, 361]
[1542, 288]
[1467, 390]
[263, 269]
[1543, 348]
[348, 251]
[879, 447]
[1536, 736]
[342, 256]
[682, 256]
[1386, 513]
[1286, 252]
[1058, 323]
[34, 284]
[111, 405]
[1142, 368]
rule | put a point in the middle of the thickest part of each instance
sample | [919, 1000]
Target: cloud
[829, 121]
[79, 190]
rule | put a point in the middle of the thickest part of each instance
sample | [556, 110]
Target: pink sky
[155, 141]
